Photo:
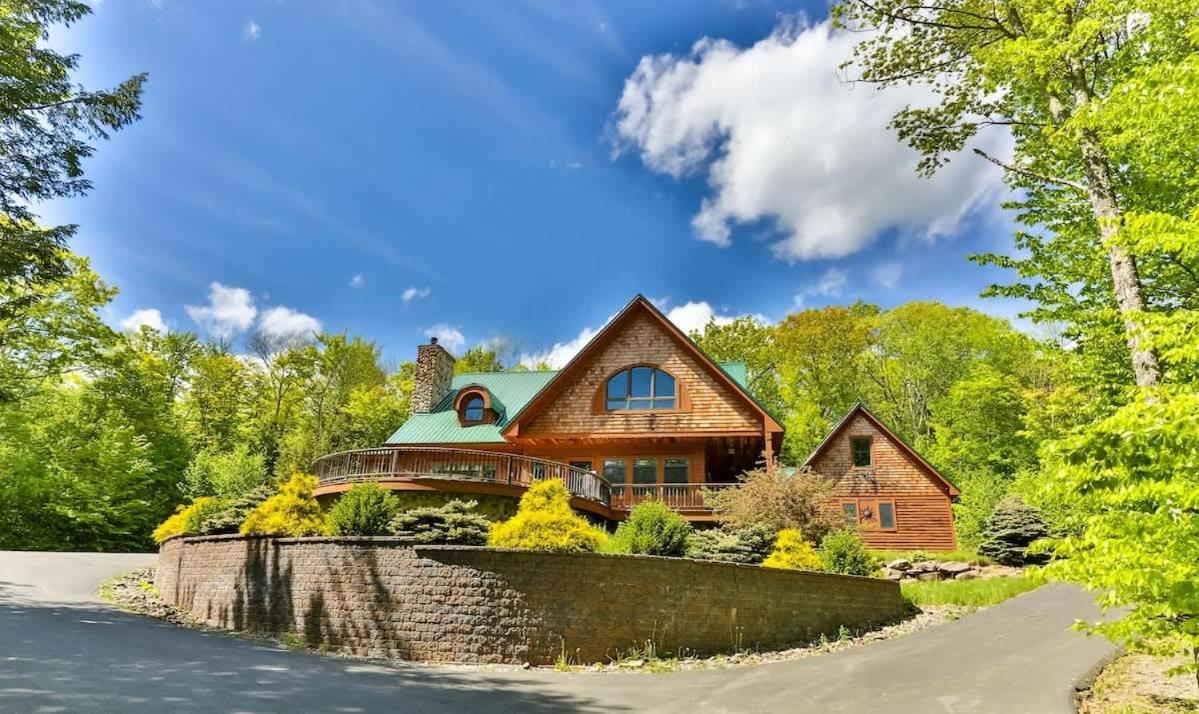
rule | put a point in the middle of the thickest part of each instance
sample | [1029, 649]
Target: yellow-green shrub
[544, 521]
[293, 511]
[186, 519]
[792, 552]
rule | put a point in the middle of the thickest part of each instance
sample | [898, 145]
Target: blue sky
[515, 170]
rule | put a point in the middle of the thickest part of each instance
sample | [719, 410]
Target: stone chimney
[434, 373]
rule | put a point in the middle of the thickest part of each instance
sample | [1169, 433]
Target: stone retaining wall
[389, 598]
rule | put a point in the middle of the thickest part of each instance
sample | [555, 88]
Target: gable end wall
[714, 407]
[923, 511]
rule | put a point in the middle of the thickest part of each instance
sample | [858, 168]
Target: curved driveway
[61, 651]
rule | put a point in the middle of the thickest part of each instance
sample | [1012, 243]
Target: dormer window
[640, 388]
[473, 410]
[475, 405]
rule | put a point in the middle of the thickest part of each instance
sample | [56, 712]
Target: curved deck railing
[433, 462]
[456, 465]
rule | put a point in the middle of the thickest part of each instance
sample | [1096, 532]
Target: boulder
[968, 575]
[891, 574]
[925, 566]
[929, 576]
[900, 564]
[954, 567]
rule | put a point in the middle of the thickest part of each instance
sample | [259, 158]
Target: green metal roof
[510, 392]
[738, 371]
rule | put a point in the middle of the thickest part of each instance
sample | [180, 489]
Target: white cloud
[829, 284]
[887, 275]
[448, 337]
[357, 281]
[782, 137]
[253, 30]
[414, 293]
[689, 317]
[150, 317]
[562, 352]
[285, 322]
[229, 311]
[694, 317]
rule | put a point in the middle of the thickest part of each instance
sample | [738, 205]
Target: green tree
[820, 357]
[47, 122]
[56, 332]
[219, 401]
[479, 359]
[1053, 75]
[747, 340]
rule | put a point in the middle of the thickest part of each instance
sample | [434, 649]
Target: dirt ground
[1139, 684]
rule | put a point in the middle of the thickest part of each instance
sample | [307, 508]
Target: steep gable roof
[640, 305]
[860, 409]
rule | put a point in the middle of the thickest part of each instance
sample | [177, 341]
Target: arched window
[641, 388]
[472, 409]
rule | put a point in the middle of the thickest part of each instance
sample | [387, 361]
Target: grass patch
[961, 555]
[969, 593]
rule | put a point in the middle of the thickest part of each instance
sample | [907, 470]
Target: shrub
[229, 517]
[224, 475]
[366, 509]
[186, 519]
[293, 511]
[844, 552]
[1010, 530]
[778, 500]
[792, 552]
[747, 545]
[651, 529]
[544, 521]
[493, 508]
[455, 523]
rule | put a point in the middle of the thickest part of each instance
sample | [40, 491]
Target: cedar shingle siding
[713, 407]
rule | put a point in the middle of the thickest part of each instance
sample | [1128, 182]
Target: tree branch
[1034, 174]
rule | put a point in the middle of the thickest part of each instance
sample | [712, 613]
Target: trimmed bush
[493, 508]
[366, 509]
[544, 521]
[651, 529]
[747, 545]
[455, 523]
[184, 521]
[293, 511]
[792, 552]
[229, 517]
[844, 552]
[1011, 528]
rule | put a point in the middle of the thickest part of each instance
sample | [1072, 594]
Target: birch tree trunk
[1126, 279]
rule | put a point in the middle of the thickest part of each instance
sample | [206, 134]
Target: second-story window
[641, 388]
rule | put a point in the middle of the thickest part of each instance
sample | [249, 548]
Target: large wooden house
[641, 412]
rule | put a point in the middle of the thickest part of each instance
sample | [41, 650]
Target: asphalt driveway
[61, 651]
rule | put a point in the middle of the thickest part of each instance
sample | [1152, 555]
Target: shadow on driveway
[90, 658]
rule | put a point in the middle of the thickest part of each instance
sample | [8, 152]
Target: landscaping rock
[968, 575]
[925, 566]
[891, 574]
[954, 568]
[900, 565]
[934, 575]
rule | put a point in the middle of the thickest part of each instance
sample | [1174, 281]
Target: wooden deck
[489, 472]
